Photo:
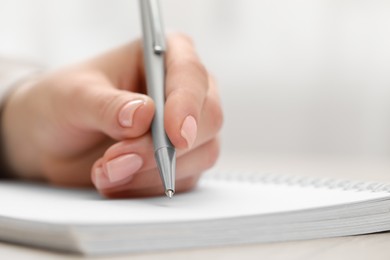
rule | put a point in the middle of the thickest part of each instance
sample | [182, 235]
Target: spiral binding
[303, 181]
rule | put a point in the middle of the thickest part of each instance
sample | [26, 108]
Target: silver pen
[154, 52]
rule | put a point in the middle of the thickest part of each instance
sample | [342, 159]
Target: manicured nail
[123, 167]
[127, 112]
[101, 181]
[189, 130]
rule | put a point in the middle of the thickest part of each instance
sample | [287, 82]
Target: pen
[154, 51]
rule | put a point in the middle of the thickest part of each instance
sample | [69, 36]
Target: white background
[296, 77]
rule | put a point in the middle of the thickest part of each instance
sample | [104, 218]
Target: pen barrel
[154, 59]
[155, 80]
[157, 93]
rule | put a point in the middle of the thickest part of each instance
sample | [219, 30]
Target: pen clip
[156, 26]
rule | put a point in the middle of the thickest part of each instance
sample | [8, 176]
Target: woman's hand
[89, 123]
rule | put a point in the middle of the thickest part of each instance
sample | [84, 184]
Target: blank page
[210, 200]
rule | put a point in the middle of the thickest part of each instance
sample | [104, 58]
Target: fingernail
[189, 130]
[127, 112]
[123, 167]
[102, 182]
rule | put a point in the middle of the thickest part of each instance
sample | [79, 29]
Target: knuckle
[77, 89]
[105, 105]
[79, 83]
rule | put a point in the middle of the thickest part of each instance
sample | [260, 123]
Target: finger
[97, 106]
[74, 171]
[203, 157]
[187, 83]
[186, 90]
[139, 152]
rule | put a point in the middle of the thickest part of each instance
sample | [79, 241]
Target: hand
[89, 123]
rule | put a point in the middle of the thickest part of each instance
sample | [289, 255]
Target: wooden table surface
[353, 247]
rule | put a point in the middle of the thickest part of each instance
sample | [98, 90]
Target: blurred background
[297, 77]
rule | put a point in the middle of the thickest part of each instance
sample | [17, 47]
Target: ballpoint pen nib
[170, 193]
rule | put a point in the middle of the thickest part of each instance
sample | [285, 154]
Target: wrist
[19, 157]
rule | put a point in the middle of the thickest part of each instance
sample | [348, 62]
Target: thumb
[120, 114]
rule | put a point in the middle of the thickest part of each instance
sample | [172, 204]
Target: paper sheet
[211, 199]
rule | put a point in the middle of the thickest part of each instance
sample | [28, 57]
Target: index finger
[186, 90]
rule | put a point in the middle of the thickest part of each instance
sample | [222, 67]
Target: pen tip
[170, 193]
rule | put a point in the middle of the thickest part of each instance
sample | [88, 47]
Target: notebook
[224, 209]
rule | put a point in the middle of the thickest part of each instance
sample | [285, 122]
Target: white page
[211, 199]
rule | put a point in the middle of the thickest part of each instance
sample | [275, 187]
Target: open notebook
[222, 210]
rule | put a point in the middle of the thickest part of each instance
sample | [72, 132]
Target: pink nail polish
[127, 112]
[189, 130]
[102, 182]
[123, 167]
